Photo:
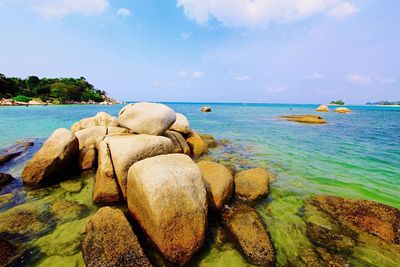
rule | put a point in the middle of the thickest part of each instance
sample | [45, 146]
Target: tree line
[59, 90]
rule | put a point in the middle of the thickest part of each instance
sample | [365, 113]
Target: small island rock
[342, 110]
[205, 109]
[307, 118]
[251, 185]
[322, 108]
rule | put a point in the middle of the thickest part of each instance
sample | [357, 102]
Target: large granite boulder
[252, 184]
[166, 196]
[106, 189]
[322, 108]
[250, 234]
[181, 124]
[128, 149]
[174, 140]
[101, 119]
[110, 241]
[182, 142]
[58, 154]
[87, 137]
[218, 181]
[306, 118]
[197, 146]
[147, 118]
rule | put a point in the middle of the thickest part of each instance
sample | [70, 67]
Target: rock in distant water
[205, 109]
[101, 119]
[219, 183]
[5, 179]
[250, 234]
[58, 154]
[197, 146]
[342, 110]
[307, 118]
[322, 108]
[147, 118]
[251, 185]
[126, 150]
[110, 241]
[166, 196]
[181, 124]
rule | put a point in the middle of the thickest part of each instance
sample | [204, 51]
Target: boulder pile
[145, 157]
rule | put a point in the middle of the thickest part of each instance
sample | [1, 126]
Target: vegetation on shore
[384, 103]
[337, 102]
[55, 90]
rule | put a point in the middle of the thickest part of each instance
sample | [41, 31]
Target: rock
[322, 108]
[342, 110]
[87, 158]
[197, 145]
[181, 124]
[87, 137]
[205, 109]
[209, 140]
[8, 252]
[218, 181]
[250, 234]
[5, 179]
[6, 198]
[230, 167]
[101, 119]
[106, 189]
[147, 118]
[319, 257]
[117, 130]
[110, 241]
[166, 196]
[66, 210]
[73, 186]
[182, 142]
[126, 150]
[251, 185]
[57, 155]
[13, 151]
[307, 118]
[172, 137]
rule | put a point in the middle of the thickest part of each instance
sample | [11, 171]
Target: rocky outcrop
[322, 108]
[218, 181]
[249, 233]
[5, 179]
[110, 241]
[182, 142]
[209, 140]
[126, 150]
[87, 137]
[197, 145]
[181, 124]
[205, 109]
[166, 196]
[101, 119]
[106, 189]
[251, 185]
[147, 118]
[342, 110]
[57, 155]
[174, 140]
[307, 118]
[87, 158]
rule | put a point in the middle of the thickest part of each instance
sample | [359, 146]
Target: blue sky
[281, 51]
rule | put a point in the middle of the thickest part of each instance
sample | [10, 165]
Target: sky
[263, 51]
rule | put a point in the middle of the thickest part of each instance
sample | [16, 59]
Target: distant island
[337, 102]
[36, 91]
[385, 103]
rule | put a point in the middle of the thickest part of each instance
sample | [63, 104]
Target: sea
[355, 155]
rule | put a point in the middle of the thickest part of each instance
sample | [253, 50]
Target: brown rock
[307, 118]
[182, 142]
[197, 145]
[87, 158]
[342, 110]
[5, 179]
[110, 241]
[251, 185]
[322, 108]
[67, 210]
[209, 140]
[172, 137]
[205, 109]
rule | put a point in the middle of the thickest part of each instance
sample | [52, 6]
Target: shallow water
[355, 155]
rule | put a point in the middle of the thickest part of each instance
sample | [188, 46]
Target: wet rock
[5, 199]
[110, 241]
[172, 137]
[182, 142]
[250, 234]
[126, 150]
[73, 186]
[56, 157]
[66, 210]
[181, 124]
[101, 119]
[307, 118]
[322, 108]
[106, 189]
[209, 140]
[251, 185]
[342, 110]
[8, 252]
[166, 196]
[87, 158]
[147, 118]
[205, 109]
[8, 153]
[319, 257]
[5, 179]
[218, 181]
[197, 146]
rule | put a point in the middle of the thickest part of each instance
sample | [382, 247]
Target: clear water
[355, 155]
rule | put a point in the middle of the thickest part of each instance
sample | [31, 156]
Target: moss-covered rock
[73, 186]
[66, 210]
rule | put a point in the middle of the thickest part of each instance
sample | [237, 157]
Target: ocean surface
[355, 155]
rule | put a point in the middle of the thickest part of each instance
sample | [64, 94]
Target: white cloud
[343, 10]
[313, 76]
[251, 13]
[61, 8]
[185, 35]
[359, 79]
[123, 12]
[197, 74]
[182, 73]
[242, 78]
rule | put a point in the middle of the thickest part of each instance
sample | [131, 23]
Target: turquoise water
[355, 155]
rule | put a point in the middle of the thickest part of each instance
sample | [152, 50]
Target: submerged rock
[110, 241]
[147, 118]
[307, 118]
[166, 196]
[181, 124]
[8, 153]
[5, 179]
[322, 108]
[197, 146]
[342, 110]
[67, 210]
[250, 234]
[57, 155]
[218, 181]
[73, 186]
[251, 185]
[205, 109]
[209, 140]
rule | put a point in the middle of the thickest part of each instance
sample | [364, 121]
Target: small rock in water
[5, 179]
[342, 110]
[307, 118]
[205, 109]
[66, 210]
[73, 186]
[322, 108]
[251, 185]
